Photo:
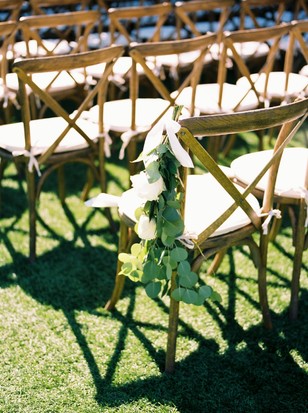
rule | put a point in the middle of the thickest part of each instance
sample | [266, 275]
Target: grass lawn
[61, 352]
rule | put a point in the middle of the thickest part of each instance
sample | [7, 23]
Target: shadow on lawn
[257, 373]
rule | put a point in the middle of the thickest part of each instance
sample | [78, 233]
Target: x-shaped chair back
[249, 10]
[11, 9]
[199, 47]
[127, 22]
[73, 28]
[44, 7]
[216, 13]
[273, 36]
[27, 67]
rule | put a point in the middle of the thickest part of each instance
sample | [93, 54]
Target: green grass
[61, 352]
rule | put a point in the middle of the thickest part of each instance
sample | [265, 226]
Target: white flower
[146, 228]
[145, 190]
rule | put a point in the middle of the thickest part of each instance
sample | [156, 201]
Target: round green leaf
[188, 280]
[177, 294]
[216, 297]
[179, 254]
[184, 268]
[150, 271]
[153, 289]
[190, 297]
[205, 291]
[124, 257]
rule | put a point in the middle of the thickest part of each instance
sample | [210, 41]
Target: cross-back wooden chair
[199, 17]
[7, 98]
[45, 145]
[35, 44]
[10, 9]
[274, 82]
[139, 112]
[216, 210]
[57, 6]
[140, 23]
[261, 13]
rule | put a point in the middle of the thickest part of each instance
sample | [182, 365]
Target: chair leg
[32, 214]
[217, 260]
[299, 242]
[120, 278]
[262, 285]
[172, 330]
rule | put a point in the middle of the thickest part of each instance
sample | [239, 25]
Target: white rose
[145, 190]
[146, 228]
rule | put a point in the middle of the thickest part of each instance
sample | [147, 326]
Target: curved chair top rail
[214, 125]
[68, 62]
[76, 17]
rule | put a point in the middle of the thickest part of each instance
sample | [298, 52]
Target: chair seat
[120, 68]
[251, 49]
[291, 176]
[297, 84]
[52, 45]
[195, 218]
[207, 98]
[304, 71]
[43, 134]
[62, 83]
[118, 113]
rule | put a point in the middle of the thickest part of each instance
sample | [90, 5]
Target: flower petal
[153, 138]
[172, 127]
[103, 201]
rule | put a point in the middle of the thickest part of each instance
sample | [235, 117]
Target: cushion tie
[187, 239]
[32, 160]
[269, 215]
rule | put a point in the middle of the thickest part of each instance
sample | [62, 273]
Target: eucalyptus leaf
[134, 275]
[126, 268]
[136, 249]
[152, 171]
[166, 239]
[153, 289]
[190, 297]
[205, 291]
[173, 229]
[177, 294]
[179, 254]
[216, 297]
[150, 271]
[188, 280]
[184, 268]
[124, 257]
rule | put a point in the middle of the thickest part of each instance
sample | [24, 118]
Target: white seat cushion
[207, 98]
[52, 45]
[297, 84]
[120, 68]
[292, 175]
[250, 49]
[62, 83]
[206, 200]
[43, 134]
[117, 113]
[304, 71]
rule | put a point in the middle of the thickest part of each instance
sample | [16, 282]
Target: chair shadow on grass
[256, 373]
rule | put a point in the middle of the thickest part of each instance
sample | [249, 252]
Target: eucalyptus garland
[162, 249]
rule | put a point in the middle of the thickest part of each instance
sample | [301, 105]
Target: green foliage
[154, 261]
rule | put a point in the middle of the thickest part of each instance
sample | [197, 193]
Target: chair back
[235, 44]
[7, 35]
[139, 23]
[195, 50]
[287, 119]
[199, 17]
[70, 121]
[57, 6]
[68, 33]
[254, 13]
[10, 9]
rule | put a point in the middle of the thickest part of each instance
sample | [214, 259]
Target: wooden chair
[139, 112]
[199, 17]
[11, 9]
[129, 25]
[222, 217]
[35, 44]
[275, 82]
[261, 13]
[7, 98]
[45, 145]
[57, 6]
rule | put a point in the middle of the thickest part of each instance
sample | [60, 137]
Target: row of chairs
[138, 113]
